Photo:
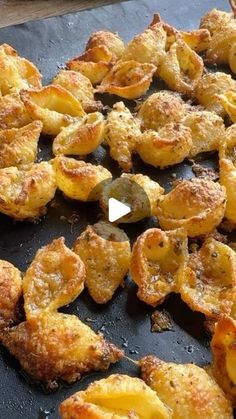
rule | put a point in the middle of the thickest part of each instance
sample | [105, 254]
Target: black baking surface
[125, 320]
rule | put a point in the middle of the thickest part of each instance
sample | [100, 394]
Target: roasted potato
[54, 278]
[80, 86]
[109, 39]
[79, 180]
[170, 145]
[16, 72]
[10, 293]
[208, 284]
[160, 109]
[81, 137]
[105, 251]
[158, 261]
[128, 79]
[207, 130]
[116, 397]
[198, 205]
[181, 68]
[215, 20]
[55, 106]
[19, 146]
[25, 192]
[210, 86]
[12, 112]
[94, 63]
[59, 347]
[122, 131]
[223, 346]
[137, 191]
[186, 389]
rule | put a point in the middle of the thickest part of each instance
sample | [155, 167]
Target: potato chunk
[25, 192]
[122, 131]
[54, 278]
[55, 106]
[10, 293]
[116, 397]
[109, 39]
[158, 261]
[19, 146]
[81, 137]
[208, 283]
[223, 346]
[79, 180]
[59, 347]
[13, 113]
[105, 251]
[186, 389]
[198, 205]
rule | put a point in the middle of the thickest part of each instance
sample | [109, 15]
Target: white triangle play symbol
[117, 209]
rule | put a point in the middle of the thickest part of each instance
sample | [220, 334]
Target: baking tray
[125, 320]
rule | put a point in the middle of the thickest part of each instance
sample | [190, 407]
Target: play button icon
[117, 210]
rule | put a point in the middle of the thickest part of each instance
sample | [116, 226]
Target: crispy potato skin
[109, 39]
[12, 112]
[59, 347]
[116, 397]
[228, 171]
[160, 109]
[19, 146]
[78, 180]
[186, 389]
[128, 79]
[24, 193]
[122, 131]
[55, 106]
[158, 261]
[170, 145]
[81, 137]
[54, 278]
[207, 130]
[10, 293]
[105, 251]
[223, 346]
[197, 205]
[210, 86]
[16, 72]
[208, 283]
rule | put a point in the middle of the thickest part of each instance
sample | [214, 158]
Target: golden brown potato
[221, 43]
[105, 251]
[116, 397]
[210, 86]
[137, 191]
[94, 63]
[25, 192]
[80, 86]
[170, 145]
[223, 346]
[81, 137]
[198, 205]
[158, 261]
[160, 109]
[53, 105]
[109, 39]
[79, 180]
[181, 68]
[121, 134]
[10, 293]
[16, 72]
[215, 20]
[186, 389]
[208, 284]
[19, 146]
[54, 278]
[128, 79]
[228, 101]
[207, 130]
[12, 112]
[59, 347]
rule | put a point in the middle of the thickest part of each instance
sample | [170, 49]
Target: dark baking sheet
[125, 320]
